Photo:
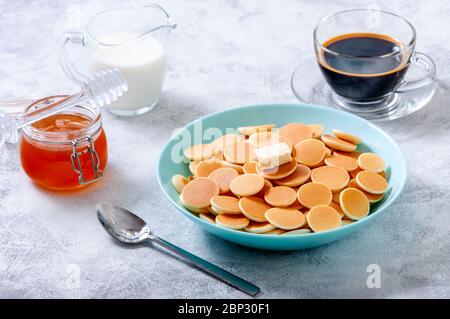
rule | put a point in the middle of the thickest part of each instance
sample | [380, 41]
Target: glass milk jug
[132, 39]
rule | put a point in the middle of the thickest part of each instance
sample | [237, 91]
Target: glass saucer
[309, 86]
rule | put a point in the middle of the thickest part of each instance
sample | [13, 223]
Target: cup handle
[427, 68]
[296, 93]
[71, 38]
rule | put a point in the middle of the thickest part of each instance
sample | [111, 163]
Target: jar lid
[40, 132]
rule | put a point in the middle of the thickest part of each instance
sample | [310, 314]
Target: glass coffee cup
[368, 60]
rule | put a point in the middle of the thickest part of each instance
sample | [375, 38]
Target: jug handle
[76, 39]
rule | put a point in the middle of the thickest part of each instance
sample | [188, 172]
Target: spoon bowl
[122, 224]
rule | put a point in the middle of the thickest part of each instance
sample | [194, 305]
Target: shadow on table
[338, 270]
[172, 111]
[341, 269]
[431, 120]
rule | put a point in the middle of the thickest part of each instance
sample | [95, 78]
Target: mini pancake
[345, 222]
[285, 218]
[206, 167]
[232, 221]
[335, 178]
[338, 208]
[208, 217]
[313, 194]
[223, 177]
[225, 205]
[336, 197]
[239, 153]
[296, 132]
[353, 155]
[346, 162]
[250, 167]
[199, 152]
[280, 196]
[248, 130]
[275, 232]
[267, 185]
[212, 211]
[259, 228]
[238, 168]
[373, 198]
[247, 184]
[297, 231]
[300, 176]
[328, 152]
[198, 192]
[371, 182]
[355, 172]
[192, 167]
[317, 130]
[222, 142]
[337, 143]
[354, 203]
[281, 172]
[346, 136]
[322, 218]
[309, 152]
[196, 210]
[254, 208]
[179, 181]
[371, 162]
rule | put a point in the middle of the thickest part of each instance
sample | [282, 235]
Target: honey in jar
[65, 151]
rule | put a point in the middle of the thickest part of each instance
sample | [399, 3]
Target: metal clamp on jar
[95, 160]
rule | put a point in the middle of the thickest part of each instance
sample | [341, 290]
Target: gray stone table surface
[224, 54]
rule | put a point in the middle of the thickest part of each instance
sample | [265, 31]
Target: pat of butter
[273, 155]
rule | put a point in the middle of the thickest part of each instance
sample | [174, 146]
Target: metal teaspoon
[128, 228]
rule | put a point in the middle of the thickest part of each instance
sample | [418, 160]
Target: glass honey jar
[64, 151]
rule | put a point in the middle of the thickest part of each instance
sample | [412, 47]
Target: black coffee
[367, 66]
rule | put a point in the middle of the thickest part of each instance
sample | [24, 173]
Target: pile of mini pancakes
[326, 184]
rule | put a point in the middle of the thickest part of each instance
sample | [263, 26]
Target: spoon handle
[210, 268]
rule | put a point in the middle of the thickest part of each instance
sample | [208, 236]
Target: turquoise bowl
[374, 138]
